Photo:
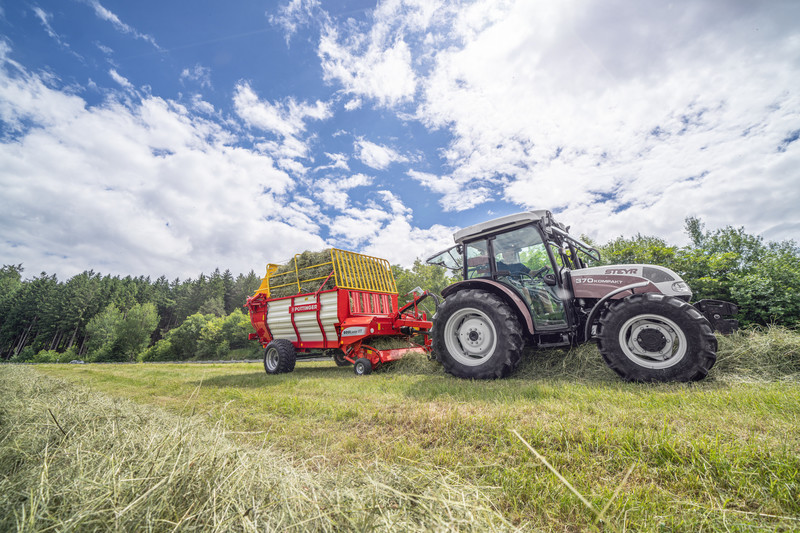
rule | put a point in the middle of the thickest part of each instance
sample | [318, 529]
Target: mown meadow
[179, 447]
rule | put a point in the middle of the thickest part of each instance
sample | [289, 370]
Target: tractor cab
[526, 252]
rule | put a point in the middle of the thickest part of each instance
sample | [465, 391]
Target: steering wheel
[538, 273]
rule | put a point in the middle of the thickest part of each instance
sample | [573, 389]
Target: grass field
[409, 448]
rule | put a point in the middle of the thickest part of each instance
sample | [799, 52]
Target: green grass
[718, 455]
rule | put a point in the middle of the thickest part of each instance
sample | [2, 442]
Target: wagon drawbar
[361, 308]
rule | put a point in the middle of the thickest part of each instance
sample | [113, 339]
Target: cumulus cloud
[337, 161]
[455, 195]
[369, 66]
[332, 192]
[284, 120]
[633, 115]
[377, 156]
[296, 14]
[134, 187]
[384, 228]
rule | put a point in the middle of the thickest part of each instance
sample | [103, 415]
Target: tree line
[109, 318]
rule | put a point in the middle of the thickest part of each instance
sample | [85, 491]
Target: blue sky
[151, 138]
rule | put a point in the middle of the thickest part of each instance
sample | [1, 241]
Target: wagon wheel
[338, 357]
[362, 366]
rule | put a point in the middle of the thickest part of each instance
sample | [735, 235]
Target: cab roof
[503, 223]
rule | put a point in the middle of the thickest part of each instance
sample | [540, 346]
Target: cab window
[477, 259]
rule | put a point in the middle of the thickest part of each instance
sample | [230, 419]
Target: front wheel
[476, 335]
[652, 337]
[362, 366]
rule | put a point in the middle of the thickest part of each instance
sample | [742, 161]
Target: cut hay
[761, 354]
[387, 342]
[76, 460]
[283, 281]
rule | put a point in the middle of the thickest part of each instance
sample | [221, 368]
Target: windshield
[450, 259]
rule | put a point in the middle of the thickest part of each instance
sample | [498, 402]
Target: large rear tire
[476, 335]
[652, 337]
[279, 357]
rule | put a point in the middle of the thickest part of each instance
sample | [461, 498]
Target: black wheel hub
[651, 340]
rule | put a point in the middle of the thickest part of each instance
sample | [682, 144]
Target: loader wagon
[350, 315]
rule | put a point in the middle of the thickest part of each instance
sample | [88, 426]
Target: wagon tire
[279, 357]
[476, 335]
[338, 358]
[652, 337]
[362, 366]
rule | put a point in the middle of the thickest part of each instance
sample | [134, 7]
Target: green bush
[118, 336]
[47, 356]
[25, 355]
[160, 351]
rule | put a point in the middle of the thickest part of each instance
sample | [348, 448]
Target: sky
[172, 138]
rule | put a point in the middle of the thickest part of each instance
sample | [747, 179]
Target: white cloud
[107, 50]
[456, 195]
[120, 26]
[198, 74]
[376, 156]
[296, 14]
[286, 120]
[121, 80]
[332, 192]
[353, 104]
[369, 66]
[336, 161]
[142, 187]
[198, 104]
[45, 18]
[627, 117]
[389, 233]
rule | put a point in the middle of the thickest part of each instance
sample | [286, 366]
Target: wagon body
[361, 307]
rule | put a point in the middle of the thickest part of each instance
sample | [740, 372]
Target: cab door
[522, 260]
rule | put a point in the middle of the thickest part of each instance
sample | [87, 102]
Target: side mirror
[550, 279]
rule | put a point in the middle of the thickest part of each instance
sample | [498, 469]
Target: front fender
[506, 293]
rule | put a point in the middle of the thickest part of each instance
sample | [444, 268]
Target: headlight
[680, 286]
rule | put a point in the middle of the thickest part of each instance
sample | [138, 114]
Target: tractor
[527, 282]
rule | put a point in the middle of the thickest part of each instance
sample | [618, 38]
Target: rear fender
[506, 293]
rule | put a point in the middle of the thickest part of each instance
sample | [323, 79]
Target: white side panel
[306, 322]
[279, 321]
[329, 313]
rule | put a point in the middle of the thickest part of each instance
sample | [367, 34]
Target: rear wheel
[338, 357]
[653, 337]
[476, 335]
[279, 357]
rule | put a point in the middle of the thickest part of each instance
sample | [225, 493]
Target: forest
[95, 317]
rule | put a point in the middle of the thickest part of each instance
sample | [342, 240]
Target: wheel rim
[271, 359]
[470, 336]
[653, 341]
[360, 369]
